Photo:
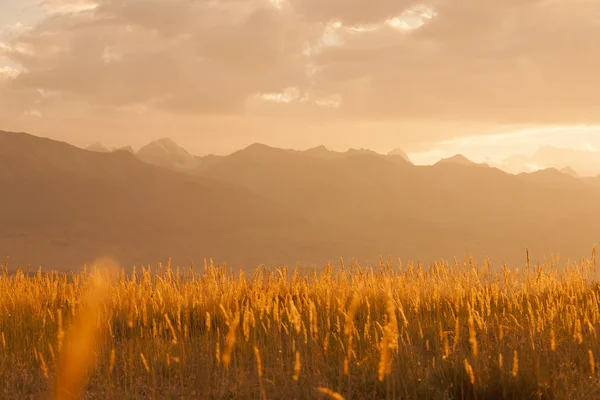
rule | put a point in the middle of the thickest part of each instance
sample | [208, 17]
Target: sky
[492, 79]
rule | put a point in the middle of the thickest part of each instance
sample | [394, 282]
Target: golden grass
[444, 331]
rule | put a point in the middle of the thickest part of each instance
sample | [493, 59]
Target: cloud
[32, 113]
[68, 6]
[7, 72]
[489, 62]
[501, 61]
[12, 30]
[182, 56]
[351, 12]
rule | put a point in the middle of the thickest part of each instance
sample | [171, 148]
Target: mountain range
[581, 162]
[63, 206]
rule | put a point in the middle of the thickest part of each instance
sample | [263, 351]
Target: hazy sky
[488, 78]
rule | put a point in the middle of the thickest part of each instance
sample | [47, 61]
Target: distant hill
[261, 204]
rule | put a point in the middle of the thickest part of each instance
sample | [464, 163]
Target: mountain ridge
[276, 206]
[172, 159]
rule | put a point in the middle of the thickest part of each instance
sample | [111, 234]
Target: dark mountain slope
[62, 206]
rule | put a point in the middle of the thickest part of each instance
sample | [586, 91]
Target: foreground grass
[447, 331]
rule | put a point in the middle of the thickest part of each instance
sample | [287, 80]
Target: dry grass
[446, 331]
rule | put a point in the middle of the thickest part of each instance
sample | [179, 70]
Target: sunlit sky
[492, 80]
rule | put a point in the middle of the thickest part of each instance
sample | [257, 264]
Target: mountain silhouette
[63, 206]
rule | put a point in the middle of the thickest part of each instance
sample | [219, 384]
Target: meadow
[451, 330]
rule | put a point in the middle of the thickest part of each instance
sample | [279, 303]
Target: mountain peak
[166, 153]
[258, 147]
[320, 148]
[99, 148]
[128, 149]
[400, 153]
[570, 171]
[323, 153]
[259, 151]
[318, 151]
[458, 159]
[361, 151]
[551, 176]
[165, 144]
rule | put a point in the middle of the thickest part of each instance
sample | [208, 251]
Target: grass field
[446, 331]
